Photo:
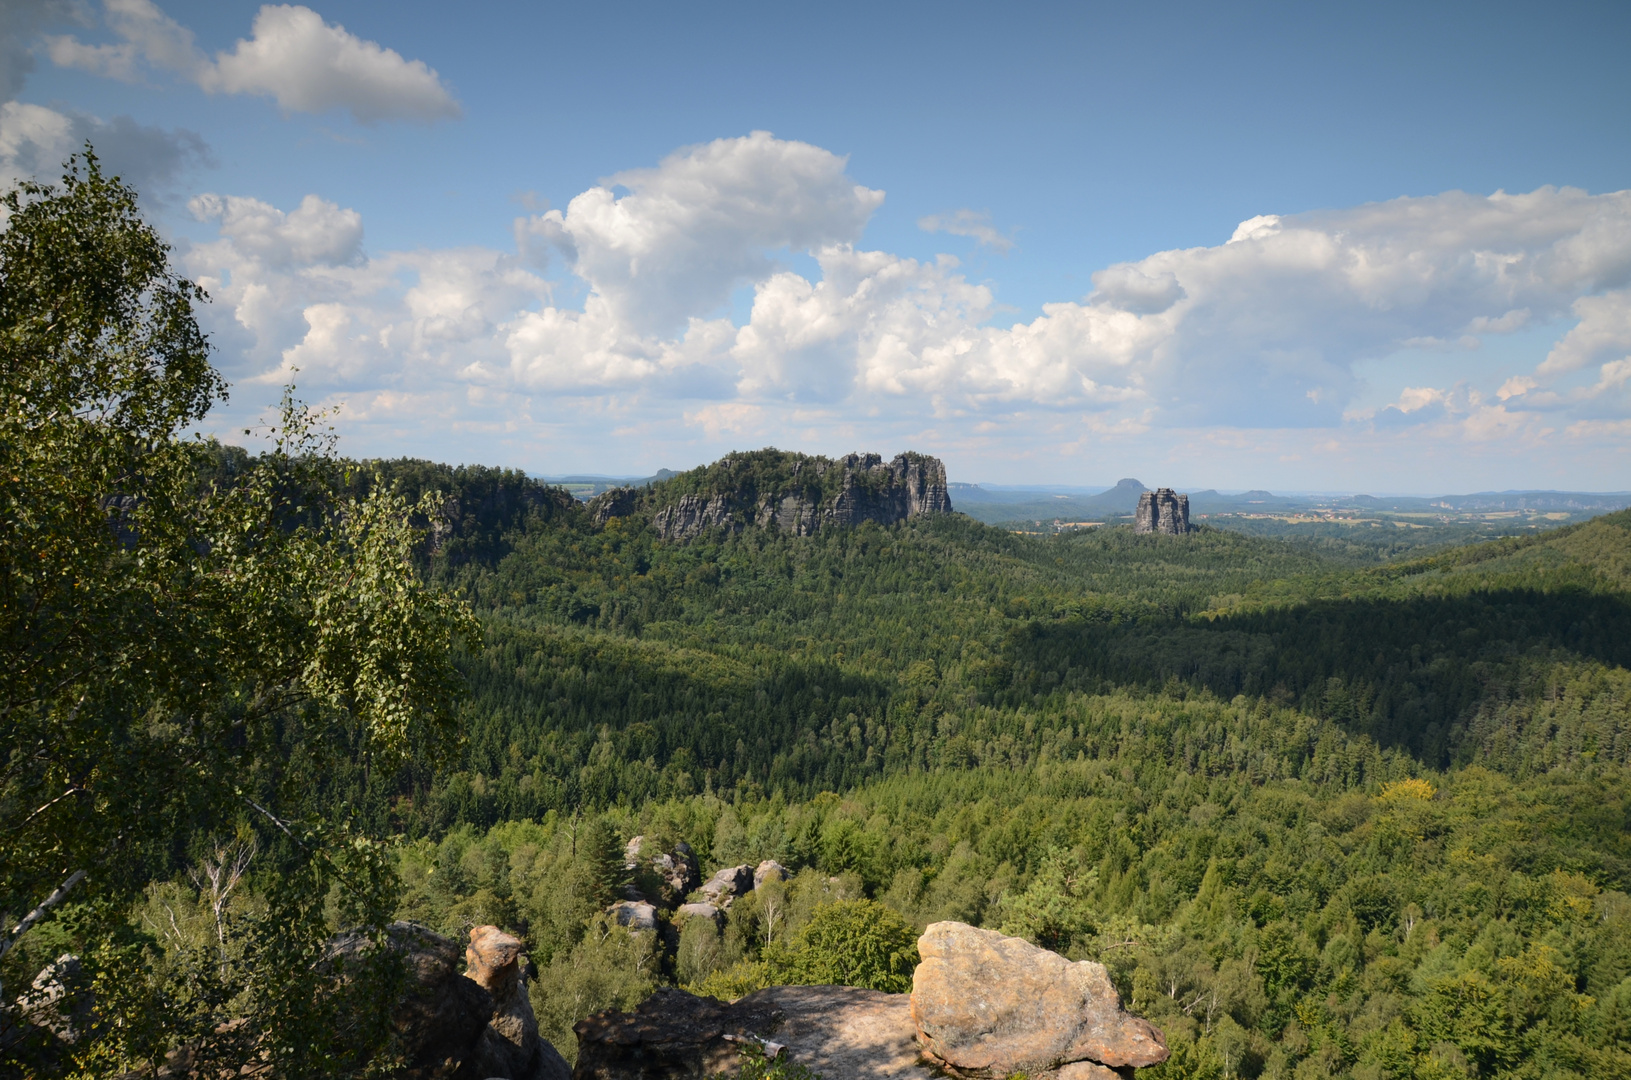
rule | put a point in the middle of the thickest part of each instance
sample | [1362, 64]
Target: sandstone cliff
[1162, 511]
[793, 493]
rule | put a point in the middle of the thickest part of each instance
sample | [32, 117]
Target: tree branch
[39, 913]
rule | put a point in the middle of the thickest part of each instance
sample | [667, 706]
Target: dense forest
[1331, 805]
[1322, 811]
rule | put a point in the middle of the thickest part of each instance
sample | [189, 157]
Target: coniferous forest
[1323, 809]
[1321, 813]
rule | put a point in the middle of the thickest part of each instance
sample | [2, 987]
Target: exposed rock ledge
[983, 1006]
[792, 493]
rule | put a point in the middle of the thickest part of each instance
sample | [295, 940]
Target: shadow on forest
[1408, 673]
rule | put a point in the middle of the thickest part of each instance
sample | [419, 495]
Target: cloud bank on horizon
[1264, 332]
[726, 297]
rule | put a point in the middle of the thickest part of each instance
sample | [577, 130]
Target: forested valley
[1323, 808]
[1322, 812]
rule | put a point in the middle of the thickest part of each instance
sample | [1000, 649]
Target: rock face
[838, 1031]
[634, 914]
[509, 1046]
[663, 878]
[59, 1001]
[988, 1006]
[1162, 511]
[441, 1015]
[769, 870]
[728, 884]
[792, 493]
[618, 502]
[471, 1026]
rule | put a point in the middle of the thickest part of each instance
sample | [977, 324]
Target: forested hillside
[618, 666]
[1321, 813]
[1323, 808]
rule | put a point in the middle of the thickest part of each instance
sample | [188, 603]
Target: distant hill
[587, 486]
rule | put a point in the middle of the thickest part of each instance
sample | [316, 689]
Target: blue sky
[547, 236]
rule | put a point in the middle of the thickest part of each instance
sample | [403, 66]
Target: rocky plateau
[792, 493]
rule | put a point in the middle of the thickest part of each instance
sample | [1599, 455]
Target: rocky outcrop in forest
[1162, 511]
[983, 1006]
[478, 1024]
[792, 493]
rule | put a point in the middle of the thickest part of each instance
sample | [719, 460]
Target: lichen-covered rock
[769, 870]
[727, 884]
[634, 914]
[510, 1047]
[988, 1005]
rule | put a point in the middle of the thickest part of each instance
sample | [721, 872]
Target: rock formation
[987, 1005]
[1162, 511]
[441, 1015]
[634, 914]
[700, 910]
[769, 870]
[509, 1046]
[983, 1006]
[618, 502]
[839, 1032]
[792, 493]
[728, 884]
[453, 1026]
[663, 878]
[59, 1000]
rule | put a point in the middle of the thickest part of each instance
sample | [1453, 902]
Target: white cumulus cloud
[1266, 332]
[701, 223]
[293, 56]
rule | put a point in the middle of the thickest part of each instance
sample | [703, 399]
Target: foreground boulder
[441, 1015]
[983, 1006]
[839, 1032]
[987, 1006]
[509, 1046]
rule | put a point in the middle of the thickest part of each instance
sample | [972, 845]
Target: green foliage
[755, 1066]
[1317, 816]
[620, 668]
[850, 943]
[197, 646]
[609, 968]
